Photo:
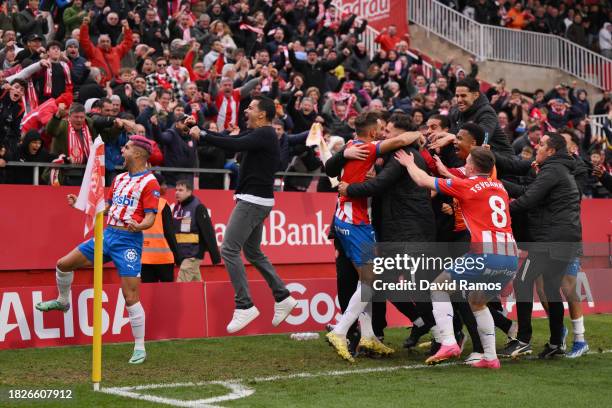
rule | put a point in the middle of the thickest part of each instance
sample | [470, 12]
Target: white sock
[443, 313]
[352, 312]
[578, 329]
[365, 322]
[64, 280]
[419, 322]
[486, 331]
[137, 320]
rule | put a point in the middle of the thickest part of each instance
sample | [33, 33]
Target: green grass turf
[584, 382]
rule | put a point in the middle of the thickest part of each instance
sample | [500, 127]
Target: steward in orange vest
[159, 247]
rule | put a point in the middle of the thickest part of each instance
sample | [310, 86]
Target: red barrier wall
[188, 310]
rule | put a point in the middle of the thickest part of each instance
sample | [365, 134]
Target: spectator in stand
[73, 16]
[161, 80]
[105, 56]
[12, 109]
[576, 32]
[518, 18]
[605, 40]
[485, 12]
[314, 71]
[472, 106]
[529, 139]
[388, 38]
[30, 149]
[31, 20]
[177, 147]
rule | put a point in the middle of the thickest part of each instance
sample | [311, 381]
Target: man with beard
[472, 106]
[178, 148]
[78, 64]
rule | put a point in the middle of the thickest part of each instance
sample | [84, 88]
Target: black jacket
[25, 175]
[552, 203]
[260, 158]
[483, 114]
[401, 211]
[315, 75]
[177, 153]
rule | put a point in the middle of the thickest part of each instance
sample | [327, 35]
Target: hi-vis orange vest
[155, 249]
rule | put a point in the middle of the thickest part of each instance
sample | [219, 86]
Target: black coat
[552, 203]
[315, 75]
[25, 175]
[483, 114]
[401, 210]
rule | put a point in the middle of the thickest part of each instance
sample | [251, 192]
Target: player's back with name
[481, 185]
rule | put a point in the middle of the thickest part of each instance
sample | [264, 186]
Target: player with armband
[493, 251]
[354, 231]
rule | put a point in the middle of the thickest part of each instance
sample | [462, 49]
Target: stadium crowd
[158, 68]
[585, 22]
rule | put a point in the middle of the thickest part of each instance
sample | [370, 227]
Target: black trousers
[152, 273]
[552, 270]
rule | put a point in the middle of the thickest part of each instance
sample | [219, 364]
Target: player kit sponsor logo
[131, 255]
[124, 200]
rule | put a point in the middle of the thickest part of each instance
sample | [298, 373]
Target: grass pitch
[275, 371]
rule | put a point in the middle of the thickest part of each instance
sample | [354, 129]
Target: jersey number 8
[498, 216]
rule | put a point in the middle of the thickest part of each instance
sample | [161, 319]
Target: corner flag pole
[96, 371]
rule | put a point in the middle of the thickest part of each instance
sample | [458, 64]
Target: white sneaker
[474, 358]
[242, 317]
[282, 310]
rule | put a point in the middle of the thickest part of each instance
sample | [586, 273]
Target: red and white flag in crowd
[91, 196]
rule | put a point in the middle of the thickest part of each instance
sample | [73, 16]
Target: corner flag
[91, 201]
[91, 196]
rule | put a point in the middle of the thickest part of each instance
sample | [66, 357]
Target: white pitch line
[238, 390]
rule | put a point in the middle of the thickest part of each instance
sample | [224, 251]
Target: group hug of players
[482, 207]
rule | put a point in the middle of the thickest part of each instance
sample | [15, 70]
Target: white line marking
[238, 390]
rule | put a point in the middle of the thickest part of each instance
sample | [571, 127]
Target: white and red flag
[91, 196]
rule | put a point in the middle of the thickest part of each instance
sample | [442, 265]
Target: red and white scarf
[30, 99]
[163, 82]
[78, 149]
[49, 77]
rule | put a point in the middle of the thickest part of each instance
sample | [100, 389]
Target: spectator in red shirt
[104, 56]
[389, 39]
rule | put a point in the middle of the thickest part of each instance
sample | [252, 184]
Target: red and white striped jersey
[354, 210]
[484, 204]
[131, 196]
[228, 109]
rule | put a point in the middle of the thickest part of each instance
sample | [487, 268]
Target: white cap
[89, 103]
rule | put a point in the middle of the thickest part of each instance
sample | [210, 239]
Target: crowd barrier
[38, 227]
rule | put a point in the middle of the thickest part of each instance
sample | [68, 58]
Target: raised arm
[405, 139]
[421, 178]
